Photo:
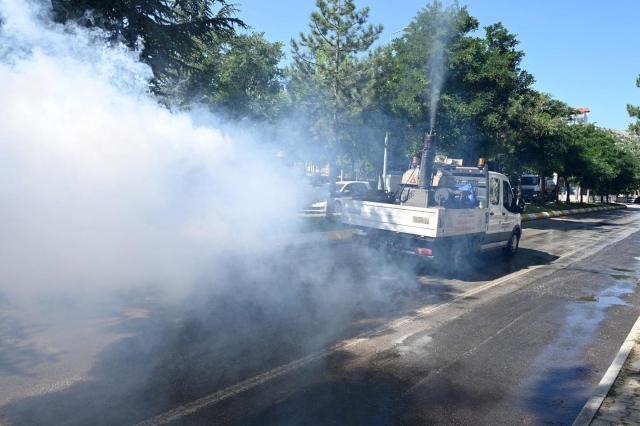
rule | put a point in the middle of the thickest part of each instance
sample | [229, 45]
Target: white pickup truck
[489, 218]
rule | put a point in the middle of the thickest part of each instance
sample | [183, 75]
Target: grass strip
[556, 206]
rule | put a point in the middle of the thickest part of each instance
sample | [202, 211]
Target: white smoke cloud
[100, 185]
[142, 235]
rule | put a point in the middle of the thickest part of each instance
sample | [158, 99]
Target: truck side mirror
[517, 207]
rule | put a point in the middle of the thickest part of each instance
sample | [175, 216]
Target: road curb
[558, 213]
[593, 404]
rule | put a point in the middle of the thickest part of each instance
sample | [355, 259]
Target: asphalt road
[337, 336]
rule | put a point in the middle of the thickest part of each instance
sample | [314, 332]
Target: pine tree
[327, 75]
[634, 111]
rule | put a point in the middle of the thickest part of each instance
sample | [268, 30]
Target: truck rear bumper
[428, 248]
[401, 244]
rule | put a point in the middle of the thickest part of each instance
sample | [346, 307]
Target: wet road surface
[339, 336]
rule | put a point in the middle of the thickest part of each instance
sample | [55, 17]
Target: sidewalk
[616, 400]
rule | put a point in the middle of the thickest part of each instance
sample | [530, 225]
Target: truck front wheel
[512, 245]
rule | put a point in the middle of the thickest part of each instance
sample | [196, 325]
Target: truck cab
[504, 214]
[495, 193]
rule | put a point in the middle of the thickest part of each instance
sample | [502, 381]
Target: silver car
[344, 190]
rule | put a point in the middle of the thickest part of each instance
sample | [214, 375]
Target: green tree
[634, 111]
[480, 78]
[490, 84]
[537, 140]
[624, 154]
[403, 69]
[327, 76]
[592, 157]
[170, 32]
[241, 78]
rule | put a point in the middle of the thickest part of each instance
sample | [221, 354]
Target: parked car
[636, 201]
[317, 180]
[344, 190]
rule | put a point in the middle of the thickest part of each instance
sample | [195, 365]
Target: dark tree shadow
[19, 353]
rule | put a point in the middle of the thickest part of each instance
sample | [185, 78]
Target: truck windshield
[529, 180]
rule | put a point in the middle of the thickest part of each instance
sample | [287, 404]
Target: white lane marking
[214, 398]
[472, 350]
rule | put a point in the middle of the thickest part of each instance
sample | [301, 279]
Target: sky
[584, 53]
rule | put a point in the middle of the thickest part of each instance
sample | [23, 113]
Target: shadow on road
[19, 352]
[486, 266]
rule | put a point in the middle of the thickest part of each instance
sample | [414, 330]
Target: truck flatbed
[425, 222]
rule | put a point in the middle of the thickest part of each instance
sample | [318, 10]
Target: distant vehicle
[630, 200]
[344, 191]
[636, 201]
[532, 188]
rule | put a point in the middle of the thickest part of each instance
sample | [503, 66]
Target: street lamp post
[396, 32]
[384, 165]
[386, 136]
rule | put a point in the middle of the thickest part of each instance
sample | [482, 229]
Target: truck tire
[512, 246]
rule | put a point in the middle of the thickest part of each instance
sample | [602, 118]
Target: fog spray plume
[101, 186]
[436, 81]
[442, 33]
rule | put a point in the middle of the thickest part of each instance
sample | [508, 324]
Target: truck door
[508, 217]
[494, 228]
[501, 220]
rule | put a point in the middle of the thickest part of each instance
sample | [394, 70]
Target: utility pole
[386, 136]
[384, 162]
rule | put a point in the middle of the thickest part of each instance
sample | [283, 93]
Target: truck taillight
[423, 251]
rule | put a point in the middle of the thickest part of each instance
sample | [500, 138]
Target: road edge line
[592, 406]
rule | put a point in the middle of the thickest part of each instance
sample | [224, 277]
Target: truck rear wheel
[512, 246]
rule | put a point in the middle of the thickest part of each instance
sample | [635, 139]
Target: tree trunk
[557, 195]
[335, 137]
[568, 185]
[333, 174]
[581, 199]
